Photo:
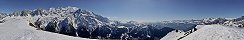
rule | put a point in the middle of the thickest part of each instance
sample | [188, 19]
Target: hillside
[17, 28]
[216, 32]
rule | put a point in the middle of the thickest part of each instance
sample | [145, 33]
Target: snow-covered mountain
[67, 20]
[237, 22]
[2, 15]
[17, 28]
[77, 22]
[86, 24]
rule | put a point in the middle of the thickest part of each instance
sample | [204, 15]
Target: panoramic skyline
[139, 10]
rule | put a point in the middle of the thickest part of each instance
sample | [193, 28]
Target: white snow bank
[216, 32]
[173, 35]
[18, 29]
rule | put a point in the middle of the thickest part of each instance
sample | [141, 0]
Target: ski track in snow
[18, 29]
[217, 32]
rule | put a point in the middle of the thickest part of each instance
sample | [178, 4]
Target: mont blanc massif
[72, 23]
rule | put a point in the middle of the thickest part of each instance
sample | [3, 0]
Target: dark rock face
[38, 23]
[51, 26]
[162, 32]
[66, 27]
[149, 33]
[102, 32]
[117, 32]
[82, 32]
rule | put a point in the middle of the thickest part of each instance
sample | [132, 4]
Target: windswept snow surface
[17, 28]
[216, 32]
[173, 35]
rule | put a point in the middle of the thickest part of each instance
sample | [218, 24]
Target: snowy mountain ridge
[76, 22]
[82, 23]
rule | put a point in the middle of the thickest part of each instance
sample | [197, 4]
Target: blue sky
[139, 10]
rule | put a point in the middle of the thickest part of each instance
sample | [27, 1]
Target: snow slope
[216, 32]
[173, 35]
[178, 34]
[17, 28]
